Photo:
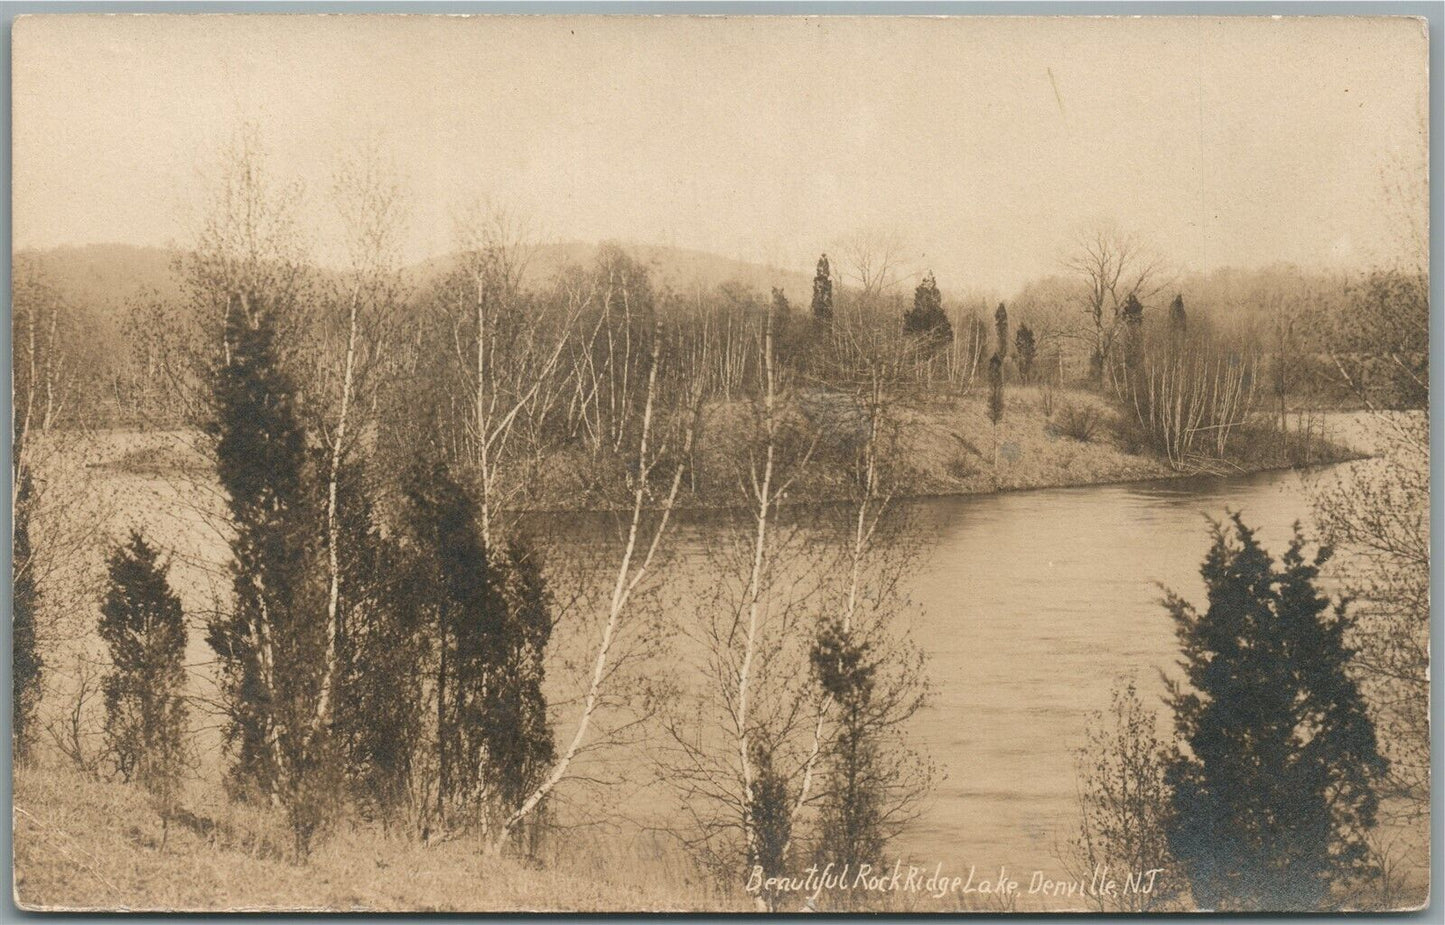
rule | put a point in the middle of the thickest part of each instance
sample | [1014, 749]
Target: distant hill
[103, 277]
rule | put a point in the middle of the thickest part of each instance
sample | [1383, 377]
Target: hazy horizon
[985, 143]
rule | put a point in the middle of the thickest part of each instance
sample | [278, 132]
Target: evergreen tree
[1133, 318]
[851, 819]
[1025, 350]
[1178, 320]
[926, 318]
[453, 568]
[26, 663]
[1000, 326]
[272, 647]
[1178, 326]
[995, 390]
[383, 649]
[521, 749]
[782, 313]
[1133, 311]
[1272, 800]
[823, 291]
[143, 625]
[770, 818]
[493, 620]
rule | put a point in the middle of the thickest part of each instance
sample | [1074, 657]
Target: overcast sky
[985, 143]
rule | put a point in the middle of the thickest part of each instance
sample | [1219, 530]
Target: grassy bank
[1071, 438]
[82, 843]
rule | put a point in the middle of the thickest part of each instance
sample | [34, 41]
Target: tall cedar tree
[452, 566]
[272, 647]
[1133, 317]
[1025, 351]
[782, 314]
[143, 625]
[926, 318]
[1178, 319]
[1273, 800]
[492, 619]
[383, 648]
[823, 291]
[995, 390]
[521, 749]
[771, 817]
[1000, 325]
[1178, 327]
[26, 663]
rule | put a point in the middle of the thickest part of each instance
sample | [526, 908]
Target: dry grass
[83, 844]
[952, 448]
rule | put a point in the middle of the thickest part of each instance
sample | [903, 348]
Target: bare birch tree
[663, 448]
[369, 201]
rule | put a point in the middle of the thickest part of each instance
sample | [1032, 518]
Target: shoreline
[944, 449]
[1351, 455]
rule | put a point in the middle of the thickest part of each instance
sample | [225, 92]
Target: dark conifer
[143, 626]
[379, 718]
[823, 291]
[995, 390]
[493, 621]
[522, 748]
[271, 648]
[926, 318]
[851, 820]
[770, 818]
[782, 313]
[1133, 318]
[1025, 351]
[1274, 796]
[1178, 320]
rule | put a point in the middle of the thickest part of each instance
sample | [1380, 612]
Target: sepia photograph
[721, 464]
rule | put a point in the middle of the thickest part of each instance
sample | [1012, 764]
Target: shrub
[1124, 804]
[143, 625]
[770, 817]
[959, 467]
[1077, 422]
